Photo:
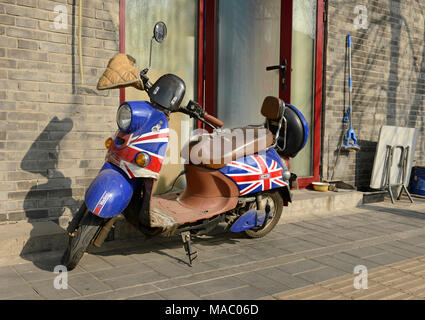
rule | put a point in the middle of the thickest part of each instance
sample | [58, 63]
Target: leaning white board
[393, 136]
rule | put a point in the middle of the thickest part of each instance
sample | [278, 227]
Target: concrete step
[25, 238]
[307, 204]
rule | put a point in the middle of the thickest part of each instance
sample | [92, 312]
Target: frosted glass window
[177, 55]
[302, 82]
[248, 42]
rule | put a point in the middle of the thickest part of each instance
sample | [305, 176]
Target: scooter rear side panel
[256, 173]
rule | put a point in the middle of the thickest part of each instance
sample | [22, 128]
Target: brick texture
[388, 61]
[52, 127]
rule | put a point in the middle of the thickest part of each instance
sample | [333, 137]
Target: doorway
[244, 37]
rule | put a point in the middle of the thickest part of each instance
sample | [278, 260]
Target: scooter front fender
[110, 192]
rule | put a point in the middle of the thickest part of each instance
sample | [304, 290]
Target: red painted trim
[122, 40]
[286, 46]
[305, 182]
[210, 57]
[201, 38]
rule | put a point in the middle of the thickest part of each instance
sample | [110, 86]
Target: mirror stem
[150, 55]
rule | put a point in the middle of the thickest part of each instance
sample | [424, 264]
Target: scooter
[245, 186]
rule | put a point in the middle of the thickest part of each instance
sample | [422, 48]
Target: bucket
[417, 182]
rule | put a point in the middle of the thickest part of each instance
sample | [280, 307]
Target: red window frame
[209, 89]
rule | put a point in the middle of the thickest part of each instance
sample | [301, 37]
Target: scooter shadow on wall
[47, 201]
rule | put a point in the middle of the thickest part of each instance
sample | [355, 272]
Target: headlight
[124, 117]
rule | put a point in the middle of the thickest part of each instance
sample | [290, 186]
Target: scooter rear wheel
[88, 229]
[276, 206]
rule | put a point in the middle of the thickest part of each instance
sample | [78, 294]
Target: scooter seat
[216, 150]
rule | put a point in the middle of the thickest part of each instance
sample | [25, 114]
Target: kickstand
[187, 247]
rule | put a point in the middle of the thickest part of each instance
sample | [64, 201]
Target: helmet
[168, 92]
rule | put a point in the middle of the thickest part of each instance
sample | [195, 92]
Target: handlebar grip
[213, 120]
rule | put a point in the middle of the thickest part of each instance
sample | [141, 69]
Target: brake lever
[194, 110]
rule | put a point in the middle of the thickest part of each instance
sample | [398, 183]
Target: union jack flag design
[256, 173]
[153, 143]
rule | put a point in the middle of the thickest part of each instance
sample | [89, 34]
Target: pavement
[311, 259]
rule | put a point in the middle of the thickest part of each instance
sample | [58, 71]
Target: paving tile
[364, 252]
[415, 241]
[320, 275]
[256, 253]
[169, 269]
[330, 261]
[134, 279]
[243, 293]
[229, 261]
[313, 238]
[15, 290]
[121, 294]
[300, 247]
[135, 268]
[402, 252]
[408, 246]
[217, 253]
[258, 280]
[304, 293]
[355, 261]
[8, 277]
[359, 235]
[215, 286]
[386, 258]
[194, 278]
[178, 294]
[28, 296]
[46, 290]
[86, 284]
[149, 296]
[265, 249]
[331, 238]
[300, 266]
[285, 278]
[290, 229]
[90, 262]
[118, 260]
[31, 272]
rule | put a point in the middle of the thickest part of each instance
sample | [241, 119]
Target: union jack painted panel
[151, 138]
[256, 173]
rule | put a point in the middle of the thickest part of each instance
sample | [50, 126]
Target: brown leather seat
[216, 150]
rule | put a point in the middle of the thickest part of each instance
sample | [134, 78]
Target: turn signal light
[108, 143]
[142, 159]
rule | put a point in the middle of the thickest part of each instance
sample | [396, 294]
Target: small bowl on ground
[321, 186]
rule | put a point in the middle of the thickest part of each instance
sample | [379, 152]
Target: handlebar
[194, 110]
[213, 120]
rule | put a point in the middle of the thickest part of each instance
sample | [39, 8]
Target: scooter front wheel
[89, 227]
[274, 200]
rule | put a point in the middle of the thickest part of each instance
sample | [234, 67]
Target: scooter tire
[89, 227]
[278, 208]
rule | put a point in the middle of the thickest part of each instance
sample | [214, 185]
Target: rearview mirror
[160, 31]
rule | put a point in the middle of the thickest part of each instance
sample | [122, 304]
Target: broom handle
[350, 79]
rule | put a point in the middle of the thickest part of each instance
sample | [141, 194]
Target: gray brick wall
[388, 61]
[52, 128]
